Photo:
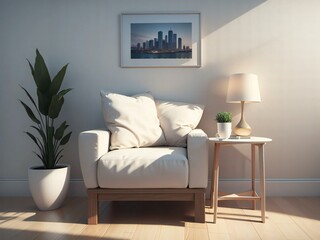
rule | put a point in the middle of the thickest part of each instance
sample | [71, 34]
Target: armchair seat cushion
[152, 167]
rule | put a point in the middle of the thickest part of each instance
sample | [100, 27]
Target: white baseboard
[274, 187]
[20, 188]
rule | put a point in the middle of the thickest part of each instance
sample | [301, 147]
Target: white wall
[276, 39]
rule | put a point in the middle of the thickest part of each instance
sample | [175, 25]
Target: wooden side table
[258, 142]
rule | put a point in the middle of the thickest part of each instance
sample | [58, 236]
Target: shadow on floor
[135, 212]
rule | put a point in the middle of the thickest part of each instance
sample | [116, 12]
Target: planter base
[49, 187]
[224, 129]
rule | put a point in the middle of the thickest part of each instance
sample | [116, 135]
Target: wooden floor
[287, 218]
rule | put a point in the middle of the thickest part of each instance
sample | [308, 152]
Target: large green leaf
[30, 113]
[65, 139]
[35, 140]
[58, 155]
[55, 106]
[41, 73]
[32, 137]
[60, 131]
[28, 94]
[57, 81]
[41, 133]
[41, 158]
[32, 71]
[38, 155]
[64, 92]
[44, 102]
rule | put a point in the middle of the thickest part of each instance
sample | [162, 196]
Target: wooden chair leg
[92, 207]
[199, 207]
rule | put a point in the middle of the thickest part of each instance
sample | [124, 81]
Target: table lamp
[243, 88]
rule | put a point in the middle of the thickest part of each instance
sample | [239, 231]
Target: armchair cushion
[132, 121]
[177, 119]
[152, 167]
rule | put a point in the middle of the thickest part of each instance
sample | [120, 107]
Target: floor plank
[120, 231]
[303, 215]
[284, 221]
[171, 232]
[194, 231]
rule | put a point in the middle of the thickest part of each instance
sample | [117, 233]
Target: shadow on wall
[234, 9]
[222, 14]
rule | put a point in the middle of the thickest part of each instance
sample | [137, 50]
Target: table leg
[216, 180]
[213, 178]
[262, 182]
[253, 173]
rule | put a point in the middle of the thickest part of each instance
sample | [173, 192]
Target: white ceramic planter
[224, 129]
[49, 186]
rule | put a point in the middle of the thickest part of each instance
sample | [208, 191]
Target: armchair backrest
[140, 121]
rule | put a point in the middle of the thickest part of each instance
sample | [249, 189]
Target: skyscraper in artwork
[179, 43]
[174, 41]
[160, 37]
[170, 39]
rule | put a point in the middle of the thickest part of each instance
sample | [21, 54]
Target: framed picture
[160, 40]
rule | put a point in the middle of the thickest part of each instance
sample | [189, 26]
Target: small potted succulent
[224, 124]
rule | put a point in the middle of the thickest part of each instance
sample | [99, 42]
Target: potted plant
[224, 124]
[49, 182]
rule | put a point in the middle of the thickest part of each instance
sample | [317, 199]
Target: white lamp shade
[243, 87]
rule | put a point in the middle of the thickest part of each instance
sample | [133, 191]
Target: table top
[240, 140]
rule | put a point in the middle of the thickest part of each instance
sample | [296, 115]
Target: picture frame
[160, 40]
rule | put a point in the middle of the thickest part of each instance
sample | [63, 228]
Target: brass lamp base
[242, 128]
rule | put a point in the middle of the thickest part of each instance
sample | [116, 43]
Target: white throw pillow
[132, 121]
[177, 119]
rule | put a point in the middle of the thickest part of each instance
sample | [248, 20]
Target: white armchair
[144, 173]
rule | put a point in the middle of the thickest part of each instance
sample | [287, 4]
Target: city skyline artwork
[161, 40]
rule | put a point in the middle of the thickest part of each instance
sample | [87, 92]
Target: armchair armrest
[197, 147]
[92, 145]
